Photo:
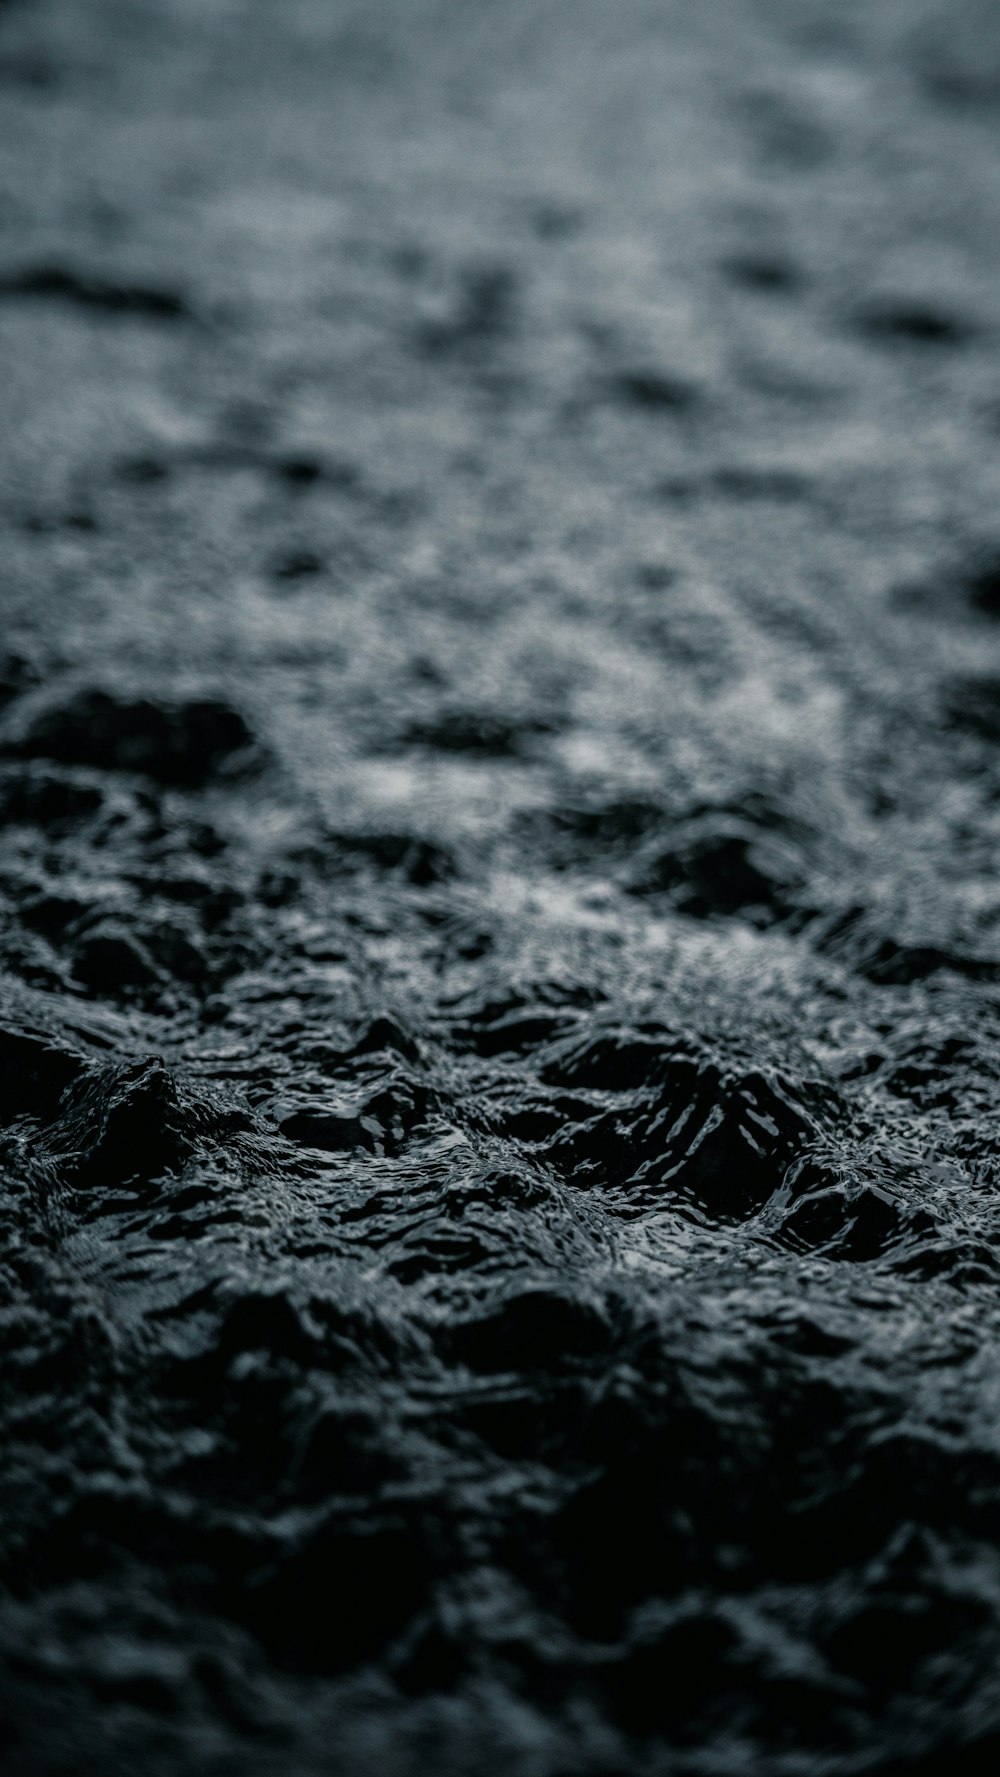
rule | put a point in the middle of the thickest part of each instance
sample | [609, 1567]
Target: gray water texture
[500, 673]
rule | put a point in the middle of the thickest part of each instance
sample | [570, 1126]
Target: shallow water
[498, 758]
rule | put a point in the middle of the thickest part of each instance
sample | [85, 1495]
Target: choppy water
[501, 690]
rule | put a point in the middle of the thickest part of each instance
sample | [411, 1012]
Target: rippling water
[498, 760]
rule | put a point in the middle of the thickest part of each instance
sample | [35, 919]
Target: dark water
[500, 1259]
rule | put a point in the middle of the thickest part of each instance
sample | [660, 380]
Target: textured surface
[498, 754]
